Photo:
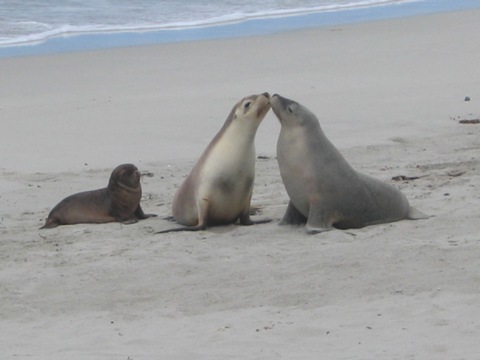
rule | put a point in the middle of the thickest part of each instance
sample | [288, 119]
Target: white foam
[32, 32]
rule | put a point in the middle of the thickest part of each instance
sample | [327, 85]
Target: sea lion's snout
[276, 103]
[281, 104]
[137, 175]
[278, 97]
[263, 105]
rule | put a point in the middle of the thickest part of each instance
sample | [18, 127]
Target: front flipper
[130, 221]
[137, 215]
[316, 230]
[262, 221]
[293, 216]
[255, 222]
[50, 223]
[320, 218]
[141, 215]
[246, 220]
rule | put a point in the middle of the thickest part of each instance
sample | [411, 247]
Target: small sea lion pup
[324, 190]
[119, 201]
[219, 188]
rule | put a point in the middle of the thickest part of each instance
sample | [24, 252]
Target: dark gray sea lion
[119, 201]
[324, 190]
[219, 188]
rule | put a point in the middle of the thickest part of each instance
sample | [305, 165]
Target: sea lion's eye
[247, 105]
[290, 110]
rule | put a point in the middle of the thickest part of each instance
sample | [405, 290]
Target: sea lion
[119, 201]
[324, 190]
[219, 188]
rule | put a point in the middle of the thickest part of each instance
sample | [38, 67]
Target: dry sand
[389, 94]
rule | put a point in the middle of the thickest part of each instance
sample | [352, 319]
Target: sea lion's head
[125, 175]
[292, 114]
[250, 109]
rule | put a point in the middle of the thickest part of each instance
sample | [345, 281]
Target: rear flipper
[414, 214]
[201, 224]
[185, 228]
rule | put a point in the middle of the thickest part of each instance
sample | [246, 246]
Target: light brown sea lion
[324, 190]
[219, 188]
[119, 201]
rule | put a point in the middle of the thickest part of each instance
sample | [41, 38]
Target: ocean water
[33, 21]
[36, 27]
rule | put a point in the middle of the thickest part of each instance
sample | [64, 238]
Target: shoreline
[248, 28]
[92, 95]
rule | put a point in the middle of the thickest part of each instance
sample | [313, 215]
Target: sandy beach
[389, 94]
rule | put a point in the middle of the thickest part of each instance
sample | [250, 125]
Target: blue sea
[49, 26]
